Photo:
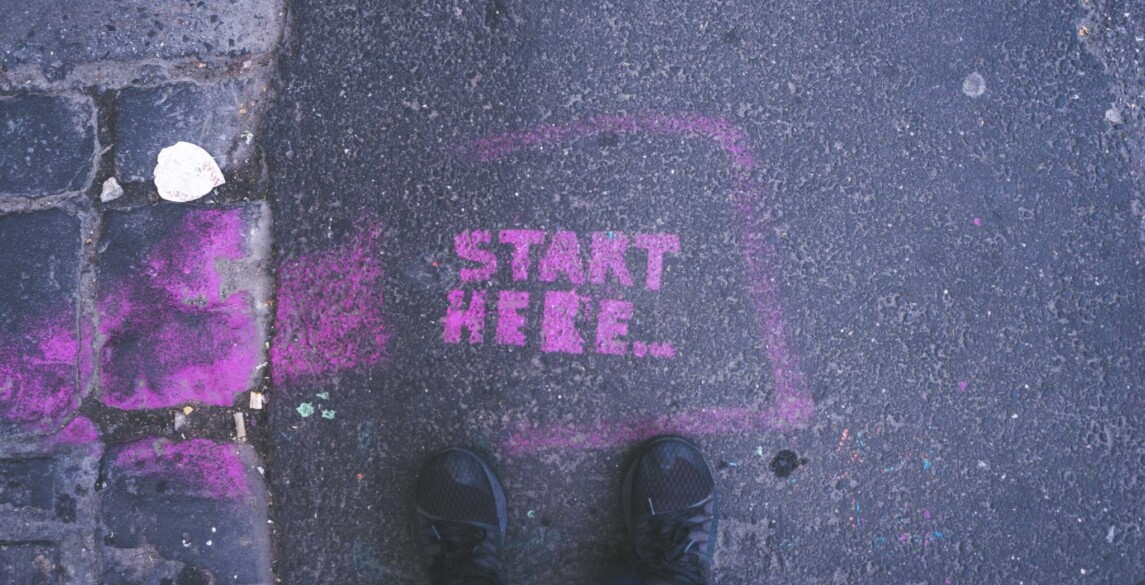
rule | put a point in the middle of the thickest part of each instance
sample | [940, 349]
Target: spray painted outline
[793, 405]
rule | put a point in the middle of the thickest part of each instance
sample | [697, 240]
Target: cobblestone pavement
[881, 260]
[133, 331]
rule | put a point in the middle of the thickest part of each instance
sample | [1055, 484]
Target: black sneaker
[461, 519]
[670, 509]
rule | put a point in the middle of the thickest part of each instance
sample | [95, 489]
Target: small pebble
[111, 190]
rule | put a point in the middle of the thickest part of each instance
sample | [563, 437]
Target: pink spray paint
[558, 323]
[510, 320]
[329, 315]
[656, 245]
[522, 241]
[562, 259]
[465, 311]
[469, 246]
[612, 326]
[609, 253]
[38, 370]
[172, 336]
[197, 468]
[561, 264]
[792, 405]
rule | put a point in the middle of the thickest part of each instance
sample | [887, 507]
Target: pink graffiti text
[562, 260]
[467, 313]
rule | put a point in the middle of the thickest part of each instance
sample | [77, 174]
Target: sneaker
[461, 519]
[670, 509]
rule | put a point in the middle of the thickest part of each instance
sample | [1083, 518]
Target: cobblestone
[47, 144]
[104, 488]
[57, 34]
[49, 496]
[183, 298]
[191, 511]
[39, 340]
[221, 118]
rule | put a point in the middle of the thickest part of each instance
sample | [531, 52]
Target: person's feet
[670, 509]
[461, 519]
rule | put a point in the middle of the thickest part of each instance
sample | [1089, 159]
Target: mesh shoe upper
[456, 485]
[670, 509]
[462, 519]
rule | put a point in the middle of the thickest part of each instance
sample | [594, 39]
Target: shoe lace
[462, 554]
[673, 545]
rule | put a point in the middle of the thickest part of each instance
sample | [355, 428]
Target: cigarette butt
[240, 425]
[256, 400]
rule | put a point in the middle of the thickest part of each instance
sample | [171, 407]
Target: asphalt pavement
[881, 260]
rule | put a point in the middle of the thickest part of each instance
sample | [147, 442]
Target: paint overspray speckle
[329, 315]
[195, 468]
[38, 370]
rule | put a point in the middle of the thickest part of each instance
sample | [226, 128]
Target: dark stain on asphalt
[785, 462]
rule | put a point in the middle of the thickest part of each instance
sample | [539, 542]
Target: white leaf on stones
[111, 190]
[186, 172]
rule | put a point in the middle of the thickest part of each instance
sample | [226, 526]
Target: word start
[561, 261]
